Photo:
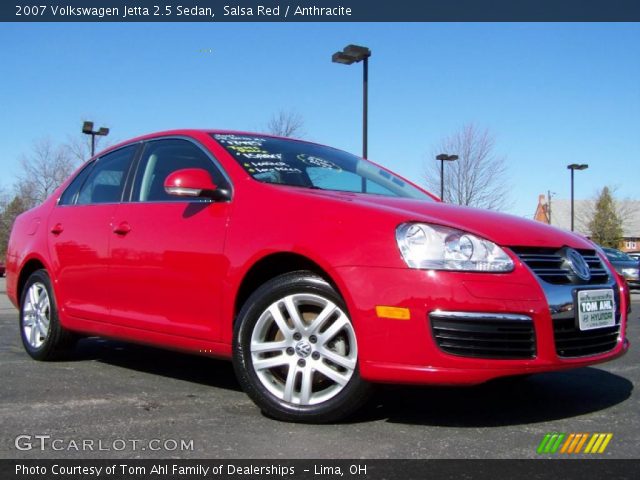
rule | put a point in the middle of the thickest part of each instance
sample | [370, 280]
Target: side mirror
[194, 182]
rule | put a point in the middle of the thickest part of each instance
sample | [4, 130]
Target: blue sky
[552, 94]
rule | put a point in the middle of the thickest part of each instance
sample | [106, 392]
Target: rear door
[167, 263]
[80, 228]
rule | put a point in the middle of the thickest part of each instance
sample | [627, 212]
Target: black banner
[321, 11]
[319, 469]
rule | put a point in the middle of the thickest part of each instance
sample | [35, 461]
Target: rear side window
[162, 157]
[106, 181]
[71, 193]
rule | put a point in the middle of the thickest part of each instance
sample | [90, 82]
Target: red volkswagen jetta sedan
[317, 272]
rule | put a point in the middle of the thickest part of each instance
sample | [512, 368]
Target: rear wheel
[42, 335]
[296, 353]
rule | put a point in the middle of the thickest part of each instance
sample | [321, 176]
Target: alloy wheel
[303, 349]
[36, 315]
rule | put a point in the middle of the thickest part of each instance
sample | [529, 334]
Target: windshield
[617, 255]
[300, 164]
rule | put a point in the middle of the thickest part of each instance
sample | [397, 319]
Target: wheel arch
[31, 265]
[273, 265]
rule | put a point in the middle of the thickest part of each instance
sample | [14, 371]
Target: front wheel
[296, 353]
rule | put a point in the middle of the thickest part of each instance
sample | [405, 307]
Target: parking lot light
[354, 54]
[443, 157]
[87, 128]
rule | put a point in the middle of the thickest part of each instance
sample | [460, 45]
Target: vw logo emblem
[303, 349]
[577, 264]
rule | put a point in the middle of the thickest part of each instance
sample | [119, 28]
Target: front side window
[302, 164]
[106, 181]
[163, 157]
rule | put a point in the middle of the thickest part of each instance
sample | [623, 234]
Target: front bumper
[405, 351]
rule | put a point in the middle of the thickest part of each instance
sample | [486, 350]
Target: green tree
[606, 224]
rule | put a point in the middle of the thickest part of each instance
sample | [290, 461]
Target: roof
[629, 210]
[195, 132]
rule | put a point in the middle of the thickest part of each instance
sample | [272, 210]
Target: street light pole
[87, 128]
[442, 179]
[365, 106]
[443, 157]
[353, 54]
[549, 195]
[573, 167]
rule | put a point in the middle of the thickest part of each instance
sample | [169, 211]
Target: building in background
[558, 214]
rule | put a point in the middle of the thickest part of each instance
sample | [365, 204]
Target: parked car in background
[625, 265]
[635, 255]
[316, 272]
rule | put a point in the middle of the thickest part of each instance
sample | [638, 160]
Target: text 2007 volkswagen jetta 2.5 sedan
[317, 272]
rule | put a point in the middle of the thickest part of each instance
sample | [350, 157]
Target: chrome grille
[550, 266]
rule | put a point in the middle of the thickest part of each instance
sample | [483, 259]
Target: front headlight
[435, 247]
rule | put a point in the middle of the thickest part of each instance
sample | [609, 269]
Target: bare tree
[79, 147]
[43, 170]
[4, 198]
[584, 211]
[625, 208]
[478, 177]
[286, 124]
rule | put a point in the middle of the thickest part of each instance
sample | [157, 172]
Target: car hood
[503, 229]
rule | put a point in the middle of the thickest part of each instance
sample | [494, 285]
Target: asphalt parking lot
[130, 400]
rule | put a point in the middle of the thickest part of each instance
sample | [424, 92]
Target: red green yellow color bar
[573, 443]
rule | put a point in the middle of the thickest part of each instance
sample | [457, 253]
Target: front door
[167, 263]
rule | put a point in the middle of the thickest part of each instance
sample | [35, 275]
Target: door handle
[122, 229]
[57, 229]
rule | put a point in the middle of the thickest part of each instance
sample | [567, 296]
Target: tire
[42, 335]
[295, 351]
